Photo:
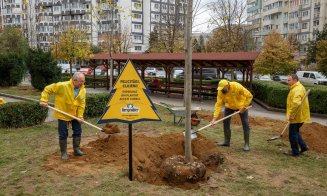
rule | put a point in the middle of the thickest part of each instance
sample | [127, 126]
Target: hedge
[95, 104]
[275, 94]
[21, 114]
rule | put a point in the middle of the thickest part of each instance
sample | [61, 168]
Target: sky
[201, 24]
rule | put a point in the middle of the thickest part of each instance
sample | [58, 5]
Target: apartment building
[145, 16]
[15, 13]
[301, 18]
[42, 21]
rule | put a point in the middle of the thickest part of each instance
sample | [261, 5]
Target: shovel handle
[74, 117]
[217, 121]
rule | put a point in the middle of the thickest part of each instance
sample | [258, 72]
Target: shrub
[43, 69]
[95, 104]
[275, 94]
[21, 114]
[11, 70]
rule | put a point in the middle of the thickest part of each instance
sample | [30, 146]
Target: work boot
[63, 149]
[77, 150]
[246, 140]
[227, 134]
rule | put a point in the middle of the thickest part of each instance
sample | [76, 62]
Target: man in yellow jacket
[235, 97]
[70, 98]
[294, 99]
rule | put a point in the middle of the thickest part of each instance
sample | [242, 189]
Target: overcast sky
[201, 23]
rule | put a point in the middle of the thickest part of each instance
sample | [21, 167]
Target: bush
[21, 114]
[95, 104]
[11, 70]
[43, 69]
[275, 94]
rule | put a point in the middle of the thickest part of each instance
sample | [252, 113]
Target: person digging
[69, 98]
[235, 97]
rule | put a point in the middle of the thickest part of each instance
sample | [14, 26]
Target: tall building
[42, 21]
[301, 18]
[142, 17]
[18, 13]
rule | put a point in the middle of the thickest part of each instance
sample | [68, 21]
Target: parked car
[161, 74]
[265, 78]
[279, 78]
[177, 71]
[86, 71]
[311, 77]
[207, 74]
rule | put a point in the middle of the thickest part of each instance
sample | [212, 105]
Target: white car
[311, 77]
[265, 78]
[161, 74]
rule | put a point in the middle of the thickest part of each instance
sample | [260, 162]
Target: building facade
[42, 21]
[301, 18]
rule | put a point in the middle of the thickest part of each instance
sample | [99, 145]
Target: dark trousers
[244, 118]
[296, 138]
[63, 129]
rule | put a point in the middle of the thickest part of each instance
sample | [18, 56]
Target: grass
[262, 171]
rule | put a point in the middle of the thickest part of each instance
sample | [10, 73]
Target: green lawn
[262, 171]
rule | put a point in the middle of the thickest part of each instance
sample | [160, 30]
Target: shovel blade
[193, 134]
[273, 138]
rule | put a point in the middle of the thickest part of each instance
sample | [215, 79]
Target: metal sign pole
[130, 153]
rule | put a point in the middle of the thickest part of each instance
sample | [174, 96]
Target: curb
[269, 108]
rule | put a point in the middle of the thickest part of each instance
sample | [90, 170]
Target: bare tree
[229, 18]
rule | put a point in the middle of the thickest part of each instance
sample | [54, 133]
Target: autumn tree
[232, 34]
[312, 48]
[73, 44]
[276, 56]
[322, 56]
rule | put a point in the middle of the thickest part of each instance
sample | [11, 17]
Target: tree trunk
[188, 82]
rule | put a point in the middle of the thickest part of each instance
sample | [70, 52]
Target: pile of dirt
[314, 134]
[111, 128]
[148, 155]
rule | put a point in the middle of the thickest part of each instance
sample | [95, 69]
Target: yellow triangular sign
[129, 101]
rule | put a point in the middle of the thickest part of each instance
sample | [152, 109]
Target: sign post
[129, 103]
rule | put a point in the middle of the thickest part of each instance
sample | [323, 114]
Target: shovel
[76, 118]
[193, 132]
[288, 123]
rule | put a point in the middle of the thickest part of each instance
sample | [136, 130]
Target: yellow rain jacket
[64, 99]
[294, 98]
[2, 101]
[237, 98]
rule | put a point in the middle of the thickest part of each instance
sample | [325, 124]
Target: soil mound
[314, 134]
[148, 156]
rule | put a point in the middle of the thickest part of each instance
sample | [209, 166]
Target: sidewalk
[208, 105]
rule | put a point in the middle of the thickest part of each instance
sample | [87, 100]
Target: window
[138, 26]
[138, 47]
[312, 76]
[156, 5]
[137, 37]
[137, 16]
[305, 13]
[137, 6]
[304, 25]
[316, 23]
[306, 75]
